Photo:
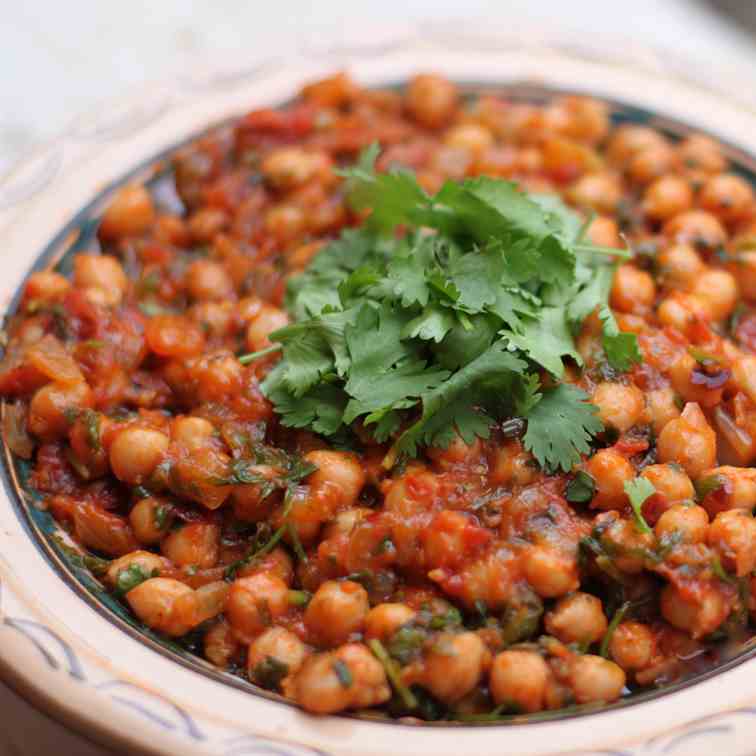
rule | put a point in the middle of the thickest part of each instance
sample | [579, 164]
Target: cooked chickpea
[611, 471]
[165, 605]
[192, 432]
[685, 376]
[52, 406]
[549, 572]
[339, 473]
[738, 490]
[630, 139]
[727, 196]
[604, 232]
[136, 452]
[696, 227]
[150, 519]
[267, 320]
[745, 270]
[594, 678]
[718, 290]
[148, 563]
[431, 100]
[520, 678]
[206, 223]
[577, 618]
[45, 286]
[193, 545]
[337, 610]
[384, 620]
[698, 614]
[650, 163]
[471, 137]
[102, 274]
[689, 441]
[596, 191]
[661, 407]
[450, 667]
[670, 481]
[633, 290]
[130, 213]
[701, 153]
[632, 645]
[285, 222]
[732, 535]
[666, 197]
[279, 644]
[208, 280]
[289, 167]
[318, 687]
[619, 406]
[628, 543]
[255, 602]
[689, 523]
[220, 644]
[682, 311]
[680, 265]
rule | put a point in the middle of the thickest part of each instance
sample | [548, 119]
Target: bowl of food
[402, 406]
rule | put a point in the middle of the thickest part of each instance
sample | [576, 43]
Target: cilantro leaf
[560, 427]
[638, 490]
[621, 349]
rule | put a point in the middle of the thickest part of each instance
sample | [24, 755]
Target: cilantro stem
[245, 359]
[619, 615]
[625, 254]
[233, 568]
[380, 653]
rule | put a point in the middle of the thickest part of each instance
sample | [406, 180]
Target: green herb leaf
[343, 673]
[581, 488]
[638, 491]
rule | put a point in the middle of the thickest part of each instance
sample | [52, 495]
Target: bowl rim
[419, 48]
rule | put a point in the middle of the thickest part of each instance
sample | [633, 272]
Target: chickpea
[136, 452]
[148, 563]
[604, 232]
[745, 270]
[267, 320]
[431, 100]
[666, 197]
[549, 572]
[277, 563]
[689, 440]
[220, 644]
[471, 137]
[345, 521]
[594, 678]
[718, 290]
[630, 139]
[670, 481]
[619, 406]
[611, 471]
[196, 544]
[215, 318]
[290, 167]
[732, 535]
[165, 605]
[174, 336]
[683, 374]
[384, 620]
[601, 192]
[632, 645]
[512, 464]
[102, 274]
[192, 432]
[249, 504]
[285, 222]
[696, 227]
[171, 229]
[661, 407]
[727, 196]
[206, 223]
[577, 618]
[633, 290]
[451, 667]
[586, 119]
[218, 376]
[651, 163]
[52, 405]
[339, 473]
[520, 678]
[689, 523]
[318, 687]
[130, 213]
[738, 491]
[331, 92]
[681, 311]
[697, 614]
[628, 544]
[456, 453]
[208, 280]
[336, 611]
[150, 519]
[255, 602]
[279, 644]
[701, 153]
[46, 287]
[680, 265]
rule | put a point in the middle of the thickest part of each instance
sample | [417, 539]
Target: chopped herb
[393, 674]
[442, 621]
[129, 578]
[160, 516]
[245, 359]
[491, 716]
[581, 488]
[93, 344]
[258, 549]
[709, 485]
[91, 420]
[296, 543]
[616, 619]
[407, 642]
[720, 572]
[299, 598]
[343, 673]
[269, 673]
[638, 490]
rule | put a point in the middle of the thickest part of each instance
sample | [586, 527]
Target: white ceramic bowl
[76, 660]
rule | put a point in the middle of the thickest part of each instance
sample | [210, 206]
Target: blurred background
[61, 58]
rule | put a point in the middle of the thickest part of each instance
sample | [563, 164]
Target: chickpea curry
[425, 405]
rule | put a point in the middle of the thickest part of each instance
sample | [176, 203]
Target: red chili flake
[629, 446]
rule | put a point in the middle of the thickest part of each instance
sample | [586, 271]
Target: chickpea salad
[419, 404]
